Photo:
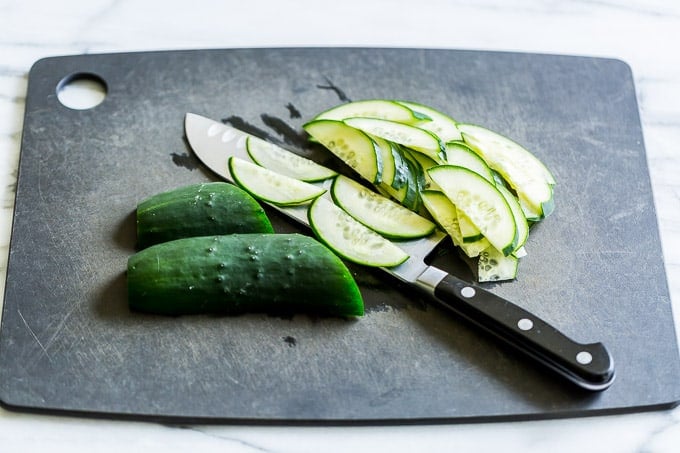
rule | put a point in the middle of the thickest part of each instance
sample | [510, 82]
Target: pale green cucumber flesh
[525, 173]
[481, 201]
[440, 124]
[494, 266]
[350, 145]
[520, 220]
[287, 163]
[412, 137]
[350, 239]
[198, 210]
[273, 273]
[377, 212]
[271, 187]
[389, 168]
[463, 156]
[372, 108]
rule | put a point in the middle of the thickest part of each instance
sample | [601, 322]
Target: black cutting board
[69, 343]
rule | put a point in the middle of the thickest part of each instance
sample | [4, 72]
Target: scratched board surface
[70, 344]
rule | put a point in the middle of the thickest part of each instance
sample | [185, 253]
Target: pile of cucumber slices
[426, 169]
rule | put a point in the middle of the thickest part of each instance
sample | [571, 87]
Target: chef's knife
[590, 366]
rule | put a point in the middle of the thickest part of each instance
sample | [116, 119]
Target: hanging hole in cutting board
[81, 91]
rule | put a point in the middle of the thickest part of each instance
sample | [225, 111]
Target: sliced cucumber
[266, 185]
[526, 174]
[494, 266]
[468, 229]
[442, 125]
[520, 220]
[350, 239]
[377, 212]
[426, 163]
[389, 165]
[401, 170]
[458, 153]
[481, 201]
[373, 108]
[279, 160]
[443, 212]
[410, 136]
[351, 145]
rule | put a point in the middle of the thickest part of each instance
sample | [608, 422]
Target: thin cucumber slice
[426, 163]
[493, 266]
[271, 187]
[410, 136]
[468, 229]
[440, 124]
[526, 174]
[401, 170]
[443, 212]
[416, 184]
[351, 145]
[458, 153]
[373, 108]
[520, 220]
[350, 239]
[481, 201]
[282, 161]
[377, 212]
[389, 166]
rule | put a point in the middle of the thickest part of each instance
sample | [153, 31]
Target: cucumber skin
[238, 273]
[199, 210]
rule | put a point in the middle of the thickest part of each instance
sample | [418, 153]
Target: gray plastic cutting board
[594, 269]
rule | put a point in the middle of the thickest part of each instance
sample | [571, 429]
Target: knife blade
[589, 366]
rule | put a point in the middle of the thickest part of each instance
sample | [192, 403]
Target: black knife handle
[588, 365]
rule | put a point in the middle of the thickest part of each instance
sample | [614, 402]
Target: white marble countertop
[642, 33]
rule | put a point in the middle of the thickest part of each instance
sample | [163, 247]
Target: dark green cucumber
[237, 273]
[199, 210]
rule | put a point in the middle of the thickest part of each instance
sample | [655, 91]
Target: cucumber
[443, 212]
[389, 164]
[520, 220]
[349, 238]
[494, 266]
[468, 229]
[481, 201]
[410, 136]
[351, 145]
[287, 163]
[458, 153]
[446, 215]
[198, 210]
[440, 124]
[377, 212]
[273, 273]
[527, 175]
[373, 108]
[271, 187]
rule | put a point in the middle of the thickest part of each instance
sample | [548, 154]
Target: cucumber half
[349, 238]
[377, 212]
[284, 162]
[481, 201]
[266, 185]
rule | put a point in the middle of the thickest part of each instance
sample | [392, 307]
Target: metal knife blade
[590, 366]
